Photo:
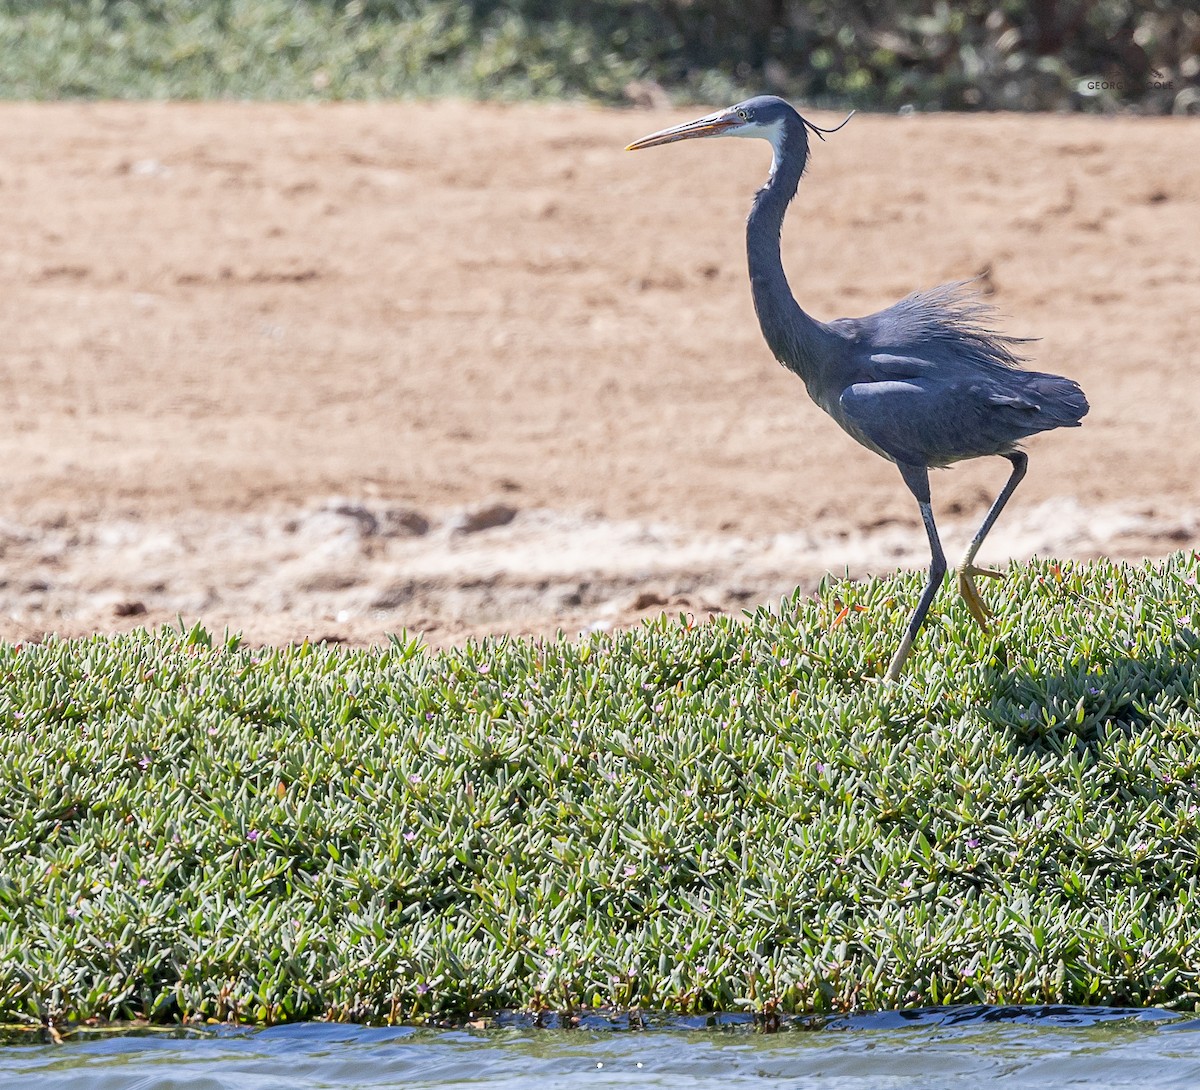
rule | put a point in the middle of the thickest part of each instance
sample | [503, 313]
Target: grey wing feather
[884, 365]
[1015, 400]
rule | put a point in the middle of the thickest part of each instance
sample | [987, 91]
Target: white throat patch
[772, 132]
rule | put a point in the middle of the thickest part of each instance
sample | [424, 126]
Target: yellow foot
[970, 592]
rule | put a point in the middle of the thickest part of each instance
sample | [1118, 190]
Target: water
[963, 1047]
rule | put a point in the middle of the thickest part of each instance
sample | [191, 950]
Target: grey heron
[924, 383]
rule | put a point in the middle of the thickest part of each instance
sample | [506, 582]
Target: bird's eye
[743, 115]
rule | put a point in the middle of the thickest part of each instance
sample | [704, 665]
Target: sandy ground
[335, 371]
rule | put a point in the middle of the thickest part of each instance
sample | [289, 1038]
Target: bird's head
[765, 117]
[761, 117]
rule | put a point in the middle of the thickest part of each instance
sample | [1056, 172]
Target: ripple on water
[954, 1047]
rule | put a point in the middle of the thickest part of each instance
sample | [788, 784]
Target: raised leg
[967, 570]
[917, 479]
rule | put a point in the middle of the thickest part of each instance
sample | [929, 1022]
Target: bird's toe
[970, 592]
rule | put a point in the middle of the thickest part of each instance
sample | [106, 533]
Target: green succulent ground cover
[679, 817]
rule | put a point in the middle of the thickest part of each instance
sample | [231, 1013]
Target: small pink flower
[253, 834]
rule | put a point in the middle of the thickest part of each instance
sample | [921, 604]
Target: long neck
[799, 343]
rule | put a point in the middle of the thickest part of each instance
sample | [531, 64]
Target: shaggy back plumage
[950, 318]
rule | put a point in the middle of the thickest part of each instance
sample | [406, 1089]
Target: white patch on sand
[358, 569]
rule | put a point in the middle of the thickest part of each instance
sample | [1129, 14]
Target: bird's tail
[1061, 403]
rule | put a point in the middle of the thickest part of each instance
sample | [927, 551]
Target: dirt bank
[219, 317]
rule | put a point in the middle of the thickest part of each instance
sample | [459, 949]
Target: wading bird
[923, 383]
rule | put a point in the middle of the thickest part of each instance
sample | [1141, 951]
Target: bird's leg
[967, 570]
[917, 479]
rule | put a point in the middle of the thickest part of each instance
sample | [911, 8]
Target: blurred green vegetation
[981, 54]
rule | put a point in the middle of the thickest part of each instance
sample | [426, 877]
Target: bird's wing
[885, 367]
[920, 415]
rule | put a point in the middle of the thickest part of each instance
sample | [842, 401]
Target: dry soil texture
[334, 371]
